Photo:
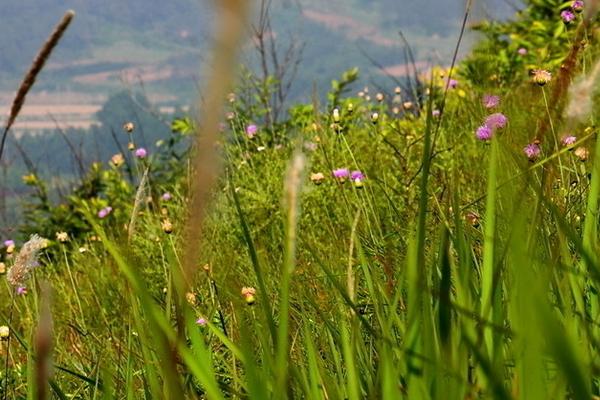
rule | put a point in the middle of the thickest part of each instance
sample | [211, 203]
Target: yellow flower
[167, 226]
[4, 332]
[128, 127]
[541, 76]
[117, 160]
[30, 179]
[317, 177]
[62, 237]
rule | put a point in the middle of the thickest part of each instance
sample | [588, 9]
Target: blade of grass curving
[263, 298]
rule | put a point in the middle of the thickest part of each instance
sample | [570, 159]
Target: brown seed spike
[34, 70]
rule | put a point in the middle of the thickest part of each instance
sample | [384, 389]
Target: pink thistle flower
[484, 133]
[532, 151]
[567, 16]
[577, 6]
[201, 321]
[496, 121]
[341, 174]
[141, 152]
[166, 196]
[522, 51]
[568, 140]
[491, 101]
[104, 212]
[251, 130]
[21, 290]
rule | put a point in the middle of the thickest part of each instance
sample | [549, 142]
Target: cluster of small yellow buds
[248, 295]
[190, 298]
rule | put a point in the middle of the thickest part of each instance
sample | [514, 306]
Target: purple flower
[496, 121]
[251, 130]
[166, 196]
[577, 6]
[9, 243]
[484, 133]
[341, 173]
[357, 176]
[568, 140]
[522, 51]
[21, 290]
[532, 151]
[104, 212]
[201, 321]
[435, 113]
[141, 153]
[452, 83]
[567, 16]
[491, 101]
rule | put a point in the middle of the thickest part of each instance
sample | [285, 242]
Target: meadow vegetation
[437, 238]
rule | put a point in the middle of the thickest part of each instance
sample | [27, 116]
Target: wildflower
[532, 151]
[10, 246]
[128, 127]
[379, 97]
[231, 97]
[522, 51]
[4, 332]
[317, 178]
[29, 179]
[361, 94]
[104, 212]
[357, 177]
[435, 113]
[201, 321]
[82, 250]
[350, 108]
[260, 148]
[117, 160]
[341, 174]
[407, 105]
[2, 268]
[230, 115]
[167, 226]
[26, 260]
[568, 140]
[374, 117]
[336, 115]
[130, 146]
[577, 6]
[62, 237]
[496, 121]
[310, 146]
[21, 291]
[396, 110]
[484, 133]
[166, 196]
[367, 97]
[472, 218]
[251, 131]
[567, 16]
[452, 83]
[582, 153]
[541, 76]
[248, 294]
[141, 153]
[190, 298]
[490, 101]
[398, 90]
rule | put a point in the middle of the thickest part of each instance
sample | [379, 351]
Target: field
[434, 238]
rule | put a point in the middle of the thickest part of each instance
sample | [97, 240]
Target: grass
[457, 269]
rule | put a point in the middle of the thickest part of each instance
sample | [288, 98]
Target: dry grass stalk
[140, 195]
[26, 260]
[206, 162]
[34, 70]
[43, 345]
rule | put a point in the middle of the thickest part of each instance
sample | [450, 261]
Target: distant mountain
[115, 43]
